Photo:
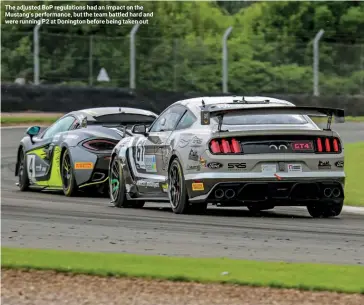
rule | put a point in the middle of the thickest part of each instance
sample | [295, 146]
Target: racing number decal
[31, 166]
[139, 153]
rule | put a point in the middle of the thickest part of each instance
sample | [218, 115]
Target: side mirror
[33, 131]
[139, 129]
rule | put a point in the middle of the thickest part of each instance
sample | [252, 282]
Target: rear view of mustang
[234, 151]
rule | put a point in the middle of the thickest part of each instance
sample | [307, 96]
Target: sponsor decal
[281, 166]
[150, 163]
[146, 183]
[269, 168]
[198, 186]
[183, 142]
[84, 165]
[41, 169]
[194, 167]
[339, 164]
[193, 155]
[237, 165]
[214, 165]
[294, 168]
[195, 141]
[188, 141]
[324, 165]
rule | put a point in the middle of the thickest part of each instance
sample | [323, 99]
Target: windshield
[264, 119]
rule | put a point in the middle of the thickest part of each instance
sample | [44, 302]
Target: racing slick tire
[69, 185]
[325, 210]
[177, 192]
[22, 172]
[117, 188]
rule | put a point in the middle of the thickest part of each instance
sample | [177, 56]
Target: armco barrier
[15, 98]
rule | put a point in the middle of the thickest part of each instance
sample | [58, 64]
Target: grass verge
[13, 120]
[354, 169]
[357, 119]
[327, 277]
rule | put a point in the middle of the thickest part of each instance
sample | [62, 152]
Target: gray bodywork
[44, 151]
[146, 158]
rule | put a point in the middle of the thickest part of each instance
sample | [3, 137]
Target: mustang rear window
[264, 119]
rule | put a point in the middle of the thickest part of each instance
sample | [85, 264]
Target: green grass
[340, 278]
[7, 120]
[347, 119]
[354, 169]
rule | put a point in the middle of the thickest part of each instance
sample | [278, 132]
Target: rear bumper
[245, 188]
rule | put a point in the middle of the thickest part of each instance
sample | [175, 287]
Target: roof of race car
[92, 113]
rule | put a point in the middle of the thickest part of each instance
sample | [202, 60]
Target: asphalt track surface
[44, 220]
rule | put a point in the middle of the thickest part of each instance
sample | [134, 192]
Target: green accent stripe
[93, 183]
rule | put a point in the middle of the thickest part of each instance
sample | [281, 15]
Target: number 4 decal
[31, 166]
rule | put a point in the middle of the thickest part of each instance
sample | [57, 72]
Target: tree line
[180, 49]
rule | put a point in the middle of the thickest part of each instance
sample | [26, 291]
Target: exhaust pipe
[336, 192]
[219, 193]
[229, 193]
[327, 192]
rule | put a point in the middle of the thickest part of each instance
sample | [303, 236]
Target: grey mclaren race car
[74, 153]
[256, 152]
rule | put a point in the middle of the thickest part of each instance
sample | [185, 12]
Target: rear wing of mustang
[219, 110]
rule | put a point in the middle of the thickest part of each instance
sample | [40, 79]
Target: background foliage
[270, 48]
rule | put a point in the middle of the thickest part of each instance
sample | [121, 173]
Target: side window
[168, 120]
[187, 120]
[59, 126]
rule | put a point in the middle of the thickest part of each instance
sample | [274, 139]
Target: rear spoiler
[219, 110]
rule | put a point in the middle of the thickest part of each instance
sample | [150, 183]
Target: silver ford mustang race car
[256, 152]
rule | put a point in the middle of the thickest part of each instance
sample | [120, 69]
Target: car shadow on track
[221, 212]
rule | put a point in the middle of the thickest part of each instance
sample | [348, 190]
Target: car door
[149, 150]
[40, 159]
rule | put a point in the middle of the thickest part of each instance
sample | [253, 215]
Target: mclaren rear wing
[219, 110]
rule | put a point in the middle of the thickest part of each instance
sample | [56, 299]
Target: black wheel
[177, 192]
[325, 210]
[67, 175]
[23, 172]
[117, 188]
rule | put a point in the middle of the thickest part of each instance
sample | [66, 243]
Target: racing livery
[257, 152]
[74, 152]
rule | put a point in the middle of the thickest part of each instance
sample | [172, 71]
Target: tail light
[99, 145]
[225, 146]
[328, 145]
